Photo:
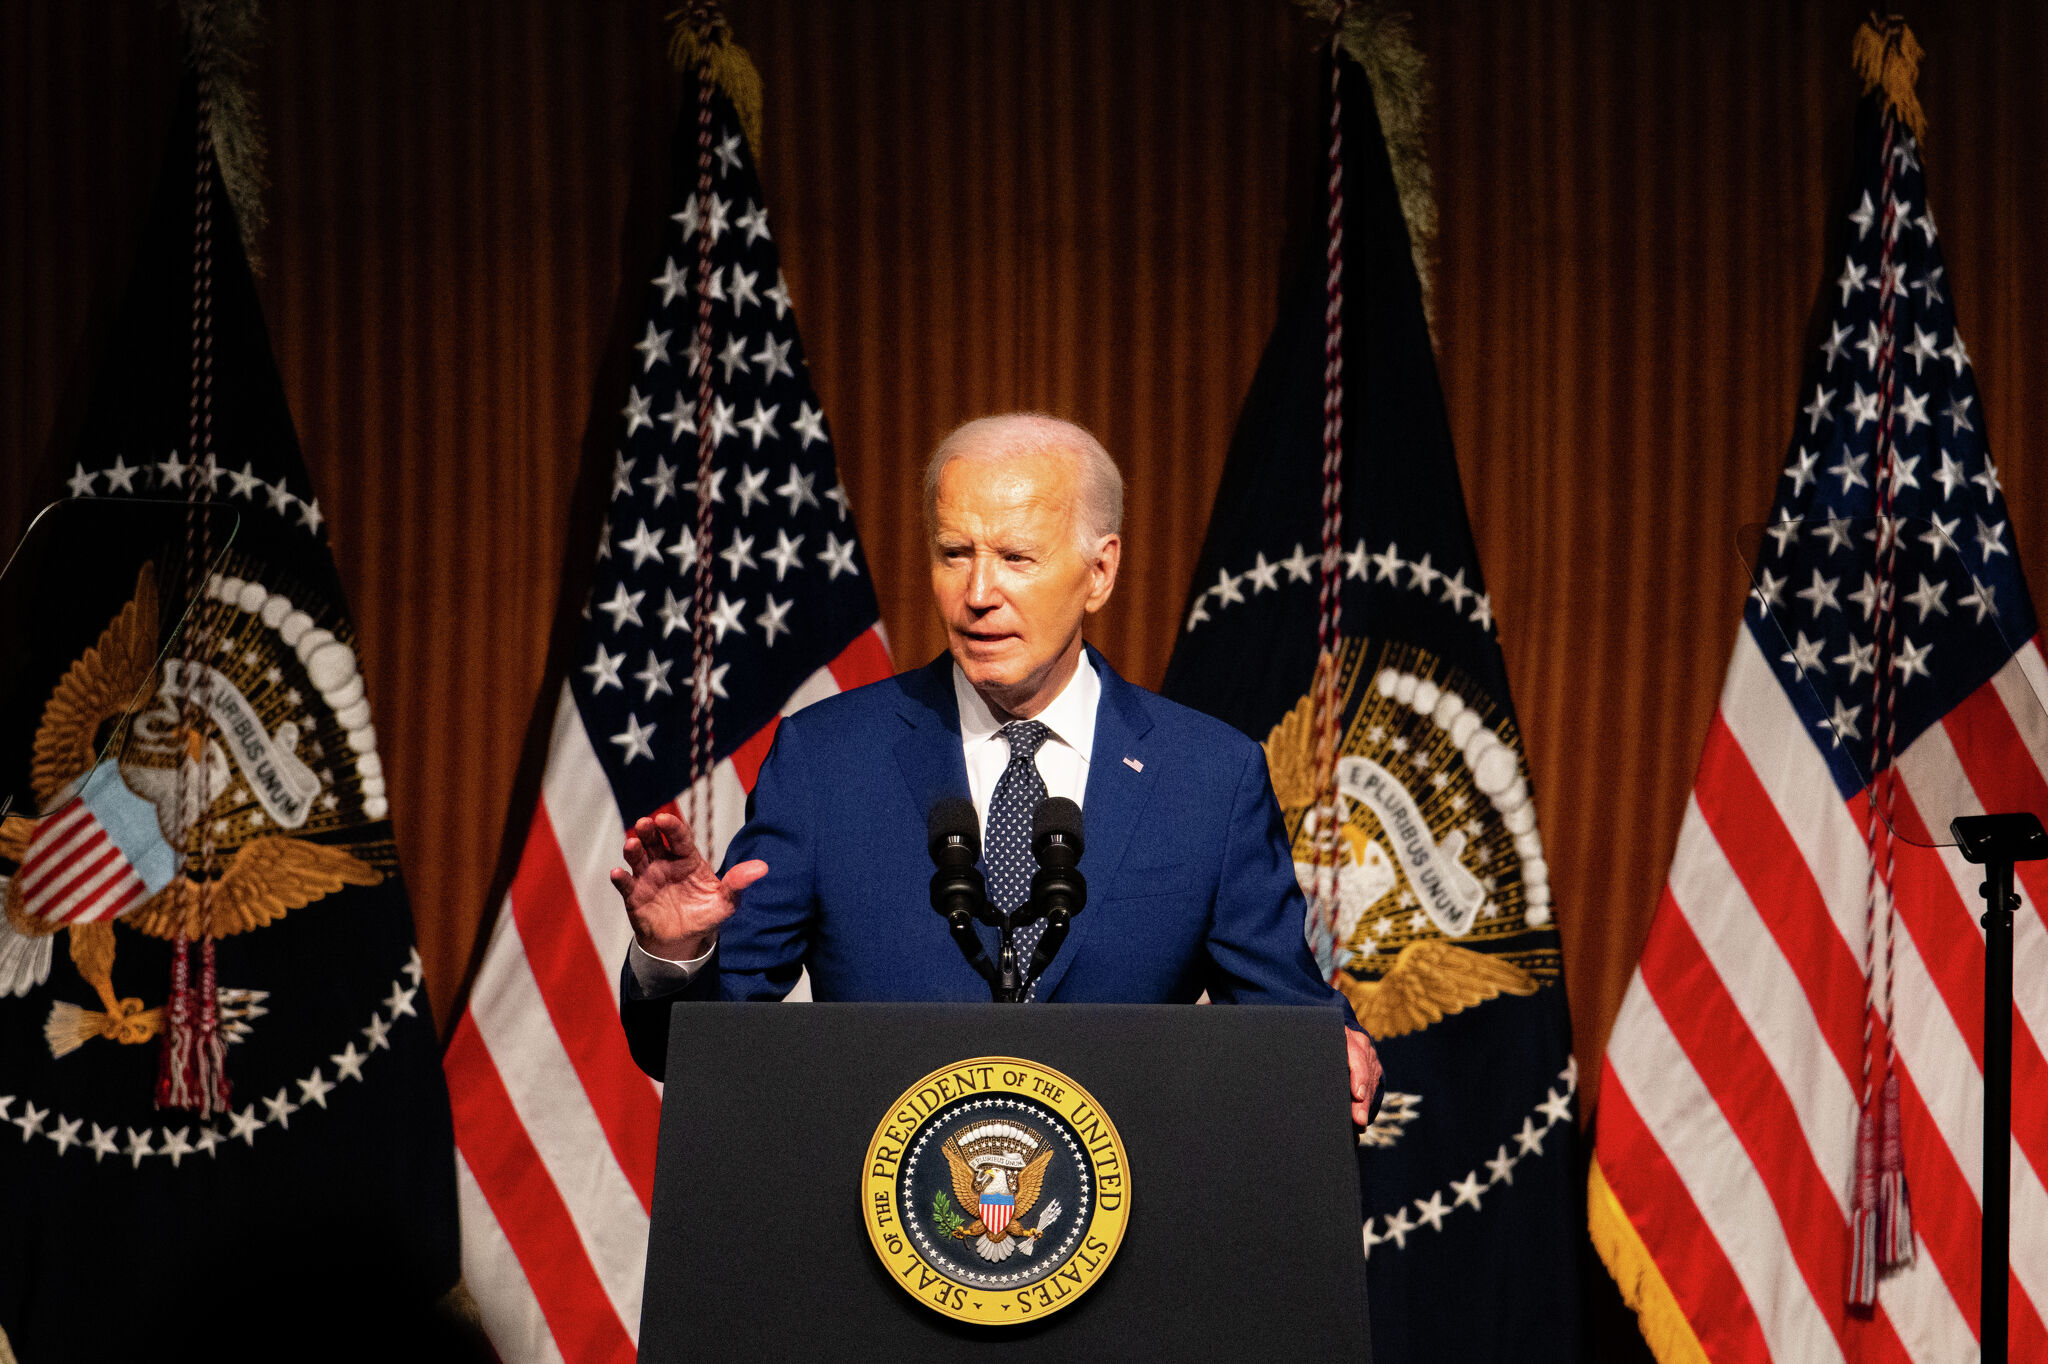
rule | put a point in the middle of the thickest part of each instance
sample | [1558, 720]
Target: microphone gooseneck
[1058, 889]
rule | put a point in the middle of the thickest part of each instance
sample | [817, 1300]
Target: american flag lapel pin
[1134, 764]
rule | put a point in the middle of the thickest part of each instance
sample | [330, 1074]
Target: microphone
[953, 836]
[1058, 890]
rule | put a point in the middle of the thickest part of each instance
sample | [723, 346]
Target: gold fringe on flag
[697, 35]
[1377, 38]
[238, 143]
[1664, 1325]
[1887, 57]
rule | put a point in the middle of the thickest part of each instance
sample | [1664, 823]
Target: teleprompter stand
[1996, 843]
[1243, 1240]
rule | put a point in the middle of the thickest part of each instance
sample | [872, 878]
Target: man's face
[1011, 581]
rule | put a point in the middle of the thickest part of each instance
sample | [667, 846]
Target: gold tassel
[1664, 1325]
[732, 70]
[1887, 57]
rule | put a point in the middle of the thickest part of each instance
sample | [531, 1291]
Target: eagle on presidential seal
[998, 1169]
[123, 780]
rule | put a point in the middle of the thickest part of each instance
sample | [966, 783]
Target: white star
[81, 483]
[1398, 1227]
[31, 1120]
[604, 671]
[1983, 598]
[1455, 590]
[209, 1138]
[684, 550]
[770, 620]
[1226, 589]
[779, 296]
[653, 349]
[280, 498]
[797, 488]
[1832, 347]
[1470, 1190]
[1852, 279]
[121, 475]
[1870, 345]
[728, 154]
[653, 675]
[663, 481]
[378, 1032]
[1297, 565]
[1784, 532]
[1556, 1107]
[1264, 576]
[170, 473]
[739, 554]
[1990, 539]
[1819, 596]
[1955, 354]
[750, 487]
[622, 475]
[1987, 479]
[1913, 410]
[713, 221]
[1835, 529]
[645, 544]
[1355, 560]
[635, 411]
[836, 495]
[773, 357]
[675, 615]
[348, 1064]
[838, 558]
[1926, 224]
[1800, 470]
[1893, 281]
[1198, 612]
[64, 1135]
[1421, 575]
[734, 356]
[1843, 724]
[695, 353]
[1768, 586]
[1958, 412]
[672, 282]
[682, 421]
[102, 1142]
[314, 1089]
[761, 426]
[176, 1146]
[1931, 284]
[1849, 468]
[809, 424]
[1867, 595]
[725, 617]
[1805, 653]
[211, 472]
[722, 426]
[244, 483]
[1911, 660]
[1928, 597]
[1863, 407]
[1939, 535]
[623, 606]
[1387, 564]
[717, 680]
[246, 1125]
[632, 740]
[784, 556]
[1530, 1138]
[1430, 1213]
[1922, 349]
[281, 1107]
[138, 1147]
[1502, 1167]
[743, 291]
[1865, 213]
[310, 515]
[1371, 1238]
[1902, 473]
[1951, 476]
[1818, 408]
[754, 222]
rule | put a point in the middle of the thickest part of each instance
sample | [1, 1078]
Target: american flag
[555, 1127]
[1724, 1180]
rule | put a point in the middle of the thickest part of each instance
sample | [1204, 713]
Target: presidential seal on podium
[996, 1190]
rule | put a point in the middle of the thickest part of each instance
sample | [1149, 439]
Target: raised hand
[673, 897]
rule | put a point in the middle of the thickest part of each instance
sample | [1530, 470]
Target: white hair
[1099, 509]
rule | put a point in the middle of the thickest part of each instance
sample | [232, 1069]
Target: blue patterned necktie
[1008, 845]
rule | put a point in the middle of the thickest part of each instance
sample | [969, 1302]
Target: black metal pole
[1999, 902]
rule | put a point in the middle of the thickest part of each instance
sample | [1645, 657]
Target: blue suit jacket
[1190, 878]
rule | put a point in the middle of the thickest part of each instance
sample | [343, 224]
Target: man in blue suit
[1191, 884]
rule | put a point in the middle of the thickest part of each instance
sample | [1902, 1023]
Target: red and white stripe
[555, 1126]
[1727, 1119]
[73, 872]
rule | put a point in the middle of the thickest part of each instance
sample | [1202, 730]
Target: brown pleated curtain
[1072, 206]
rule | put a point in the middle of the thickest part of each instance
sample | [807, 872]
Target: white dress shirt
[1062, 761]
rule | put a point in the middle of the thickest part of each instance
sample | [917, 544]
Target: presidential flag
[229, 1132]
[1340, 530]
[1788, 1152]
[554, 1123]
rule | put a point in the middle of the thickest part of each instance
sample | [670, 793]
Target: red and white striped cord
[1329, 637]
[703, 736]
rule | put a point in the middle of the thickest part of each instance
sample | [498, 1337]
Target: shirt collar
[1070, 717]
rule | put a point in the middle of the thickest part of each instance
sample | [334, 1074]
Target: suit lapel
[1116, 798]
[929, 755]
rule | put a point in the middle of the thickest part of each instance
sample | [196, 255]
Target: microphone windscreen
[953, 816]
[1057, 815]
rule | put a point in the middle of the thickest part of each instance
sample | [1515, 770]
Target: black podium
[1242, 1241]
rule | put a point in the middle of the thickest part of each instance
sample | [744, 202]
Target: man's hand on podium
[1365, 1074]
[674, 898]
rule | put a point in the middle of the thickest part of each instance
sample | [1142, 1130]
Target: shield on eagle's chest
[995, 1211]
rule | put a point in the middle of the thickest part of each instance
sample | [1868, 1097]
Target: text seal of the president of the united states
[996, 1190]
